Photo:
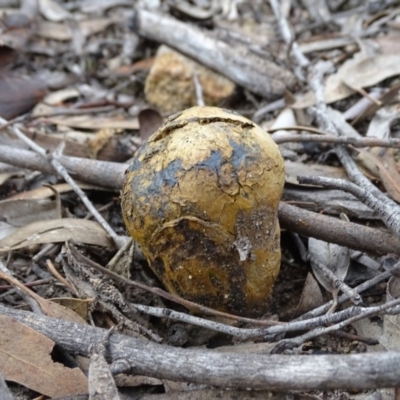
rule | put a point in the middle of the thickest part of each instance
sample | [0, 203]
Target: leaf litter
[84, 72]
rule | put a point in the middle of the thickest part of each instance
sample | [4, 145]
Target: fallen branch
[333, 230]
[295, 219]
[389, 215]
[277, 372]
[103, 173]
[250, 70]
[350, 141]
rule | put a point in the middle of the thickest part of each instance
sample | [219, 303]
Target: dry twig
[118, 240]
[278, 372]
[389, 215]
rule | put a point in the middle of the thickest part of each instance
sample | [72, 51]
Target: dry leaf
[96, 143]
[359, 72]
[149, 120]
[44, 192]
[381, 123]
[79, 306]
[56, 231]
[128, 70]
[391, 323]
[336, 258]
[49, 308]
[389, 175]
[384, 99]
[63, 31]
[385, 168]
[25, 358]
[19, 94]
[5, 176]
[311, 296]
[17, 27]
[53, 11]
[89, 122]
[54, 31]
[293, 169]
[23, 212]
[60, 97]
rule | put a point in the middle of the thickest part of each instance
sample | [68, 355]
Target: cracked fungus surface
[201, 198]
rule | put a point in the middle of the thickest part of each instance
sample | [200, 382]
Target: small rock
[169, 86]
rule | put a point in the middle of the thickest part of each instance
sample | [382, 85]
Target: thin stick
[52, 269]
[389, 215]
[198, 89]
[287, 34]
[247, 333]
[118, 240]
[159, 292]
[360, 314]
[333, 230]
[204, 366]
[344, 297]
[308, 223]
[350, 141]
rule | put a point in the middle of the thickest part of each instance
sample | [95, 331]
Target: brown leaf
[293, 169]
[386, 98]
[17, 26]
[49, 308]
[96, 143]
[359, 72]
[18, 95]
[44, 192]
[7, 56]
[389, 175]
[385, 166]
[149, 121]
[22, 212]
[25, 359]
[311, 296]
[79, 306]
[56, 231]
[88, 122]
[128, 70]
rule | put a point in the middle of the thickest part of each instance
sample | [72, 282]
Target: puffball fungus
[201, 199]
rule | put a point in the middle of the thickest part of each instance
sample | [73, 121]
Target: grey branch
[277, 372]
[389, 215]
[236, 62]
[111, 175]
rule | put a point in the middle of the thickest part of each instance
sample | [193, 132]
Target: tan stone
[169, 86]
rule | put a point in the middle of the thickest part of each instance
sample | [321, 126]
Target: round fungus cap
[201, 198]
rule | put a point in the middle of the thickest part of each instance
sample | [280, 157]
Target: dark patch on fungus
[243, 155]
[196, 244]
[167, 176]
[136, 164]
[240, 152]
[213, 162]
[158, 267]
